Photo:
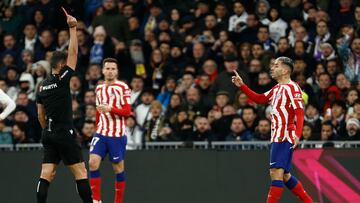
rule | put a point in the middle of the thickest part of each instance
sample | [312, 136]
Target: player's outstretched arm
[257, 98]
[73, 44]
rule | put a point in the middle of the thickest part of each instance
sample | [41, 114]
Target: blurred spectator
[153, 128]
[175, 105]
[62, 40]
[277, 26]
[352, 129]
[202, 130]
[166, 91]
[327, 132]
[263, 130]
[93, 75]
[223, 80]
[186, 82]
[349, 56]
[194, 102]
[137, 86]
[11, 21]
[19, 134]
[221, 99]
[88, 130]
[182, 127]
[249, 117]
[142, 111]
[239, 16]
[307, 132]
[26, 84]
[102, 46]
[263, 37]
[134, 133]
[40, 70]
[30, 40]
[114, 23]
[90, 112]
[239, 132]
[312, 116]
[89, 97]
[76, 88]
[5, 137]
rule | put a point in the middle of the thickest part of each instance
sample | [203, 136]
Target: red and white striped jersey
[284, 99]
[115, 95]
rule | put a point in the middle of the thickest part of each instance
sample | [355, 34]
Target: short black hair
[110, 60]
[57, 57]
[287, 61]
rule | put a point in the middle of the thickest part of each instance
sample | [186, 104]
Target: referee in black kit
[55, 116]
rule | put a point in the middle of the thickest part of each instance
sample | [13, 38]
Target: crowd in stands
[178, 57]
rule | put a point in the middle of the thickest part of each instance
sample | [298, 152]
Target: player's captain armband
[305, 98]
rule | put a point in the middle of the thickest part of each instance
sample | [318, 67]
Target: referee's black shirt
[54, 94]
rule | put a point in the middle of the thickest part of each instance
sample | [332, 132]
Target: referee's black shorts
[61, 144]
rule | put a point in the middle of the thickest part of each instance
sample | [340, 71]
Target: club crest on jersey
[127, 92]
[297, 95]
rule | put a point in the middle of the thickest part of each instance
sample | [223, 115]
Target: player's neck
[110, 82]
[284, 80]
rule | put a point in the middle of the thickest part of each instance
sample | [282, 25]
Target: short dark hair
[249, 107]
[110, 60]
[287, 61]
[57, 57]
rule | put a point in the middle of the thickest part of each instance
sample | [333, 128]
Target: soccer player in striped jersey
[112, 108]
[286, 103]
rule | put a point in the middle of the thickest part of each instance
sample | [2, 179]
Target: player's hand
[103, 108]
[71, 21]
[237, 80]
[296, 141]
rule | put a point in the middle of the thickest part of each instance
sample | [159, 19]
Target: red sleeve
[257, 98]
[97, 116]
[299, 113]
[124, 111]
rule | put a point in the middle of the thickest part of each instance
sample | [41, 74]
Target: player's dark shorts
[62, 145]
[281, 155]
[115, 146]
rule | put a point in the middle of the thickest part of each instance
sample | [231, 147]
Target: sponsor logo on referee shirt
[48, 87]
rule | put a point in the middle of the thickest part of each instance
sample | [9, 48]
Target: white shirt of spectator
[277, 29]
[235, 19]
[134, 137]
[142, 114]
[134, 96]
[7, 103]
[30, 44]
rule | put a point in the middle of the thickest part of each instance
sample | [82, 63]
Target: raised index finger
[236, 73]
[64, 11]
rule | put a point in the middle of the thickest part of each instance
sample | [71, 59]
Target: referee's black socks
[84, 190]
[41, 190]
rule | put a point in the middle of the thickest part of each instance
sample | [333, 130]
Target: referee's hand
[71, 21]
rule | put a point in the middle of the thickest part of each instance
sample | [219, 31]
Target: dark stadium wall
[188, 176]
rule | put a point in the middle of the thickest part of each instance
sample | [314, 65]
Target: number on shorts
[94, 141]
